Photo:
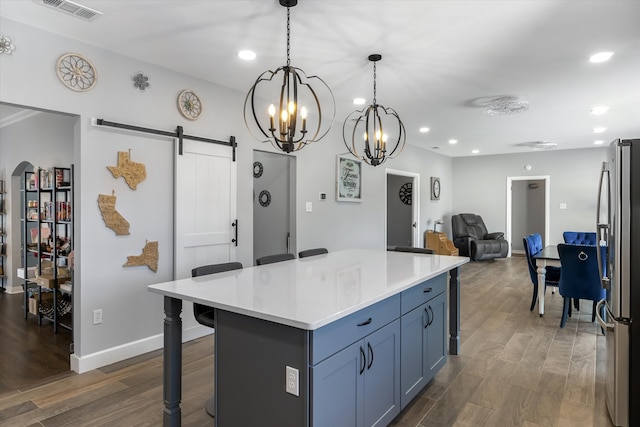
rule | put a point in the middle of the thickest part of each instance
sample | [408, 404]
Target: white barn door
[205, 204]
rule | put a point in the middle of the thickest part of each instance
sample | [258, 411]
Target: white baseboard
[126, 351]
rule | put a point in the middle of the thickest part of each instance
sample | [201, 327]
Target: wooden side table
[439, 242]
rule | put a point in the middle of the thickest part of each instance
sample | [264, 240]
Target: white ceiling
[442, 60]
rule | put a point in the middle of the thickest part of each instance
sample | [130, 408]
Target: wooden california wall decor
[149, 257]
[132, 172]
[111, 216]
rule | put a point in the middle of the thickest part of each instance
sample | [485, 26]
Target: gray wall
[132, 321]
[480, 185]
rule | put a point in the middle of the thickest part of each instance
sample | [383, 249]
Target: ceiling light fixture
[247, 55]
[359, 101]
[506, 105]
[598, 142]
[475, 151]
[368, 122]
[600, 57]
[295, 119]
[424, 130]
[599, 110]
[453, 141]
[599, 130]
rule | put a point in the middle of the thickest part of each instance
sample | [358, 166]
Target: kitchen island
[347, 338]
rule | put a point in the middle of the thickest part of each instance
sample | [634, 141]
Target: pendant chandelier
[282, 107]
[368, 124]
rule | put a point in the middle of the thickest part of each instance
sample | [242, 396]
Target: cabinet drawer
[337, 335]
[419, 294]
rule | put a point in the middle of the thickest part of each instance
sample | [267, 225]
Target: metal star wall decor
[140, 81]
[6, 45]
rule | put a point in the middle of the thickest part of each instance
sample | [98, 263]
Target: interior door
[205, 203]
[273, 204]
[403, 208]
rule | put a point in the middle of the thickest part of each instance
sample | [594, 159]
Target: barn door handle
[235, 226]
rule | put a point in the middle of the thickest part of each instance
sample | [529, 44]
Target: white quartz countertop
[311, 292]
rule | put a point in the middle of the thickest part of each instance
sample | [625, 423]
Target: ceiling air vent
[538, 145]
[71, 8]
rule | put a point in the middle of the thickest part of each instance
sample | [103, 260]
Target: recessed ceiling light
[453, 141]
[600, 57]
[247, 55]
[424, 130]
[598, 142]
[599, 130]
[600, 109]
[359, 101]
[475, 151]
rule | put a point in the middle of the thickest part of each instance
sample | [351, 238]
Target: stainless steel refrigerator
[618, 226]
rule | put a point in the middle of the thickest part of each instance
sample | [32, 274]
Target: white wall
[480, 186]
[132, 317]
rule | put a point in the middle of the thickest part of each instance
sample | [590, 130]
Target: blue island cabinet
[360, 385]
[423, 333]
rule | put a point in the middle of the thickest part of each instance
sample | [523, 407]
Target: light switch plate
[309, 207]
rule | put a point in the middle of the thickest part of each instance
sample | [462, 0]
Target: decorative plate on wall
[258, 169]
[189, 104]
[76, 72]
[405, 193]
[264, 198]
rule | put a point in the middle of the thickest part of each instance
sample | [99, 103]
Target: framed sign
[348, 180]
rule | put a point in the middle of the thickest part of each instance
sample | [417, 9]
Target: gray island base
[343, 339]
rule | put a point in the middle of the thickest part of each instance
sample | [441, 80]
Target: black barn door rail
[177, 134]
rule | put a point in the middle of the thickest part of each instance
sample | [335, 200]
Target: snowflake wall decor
[6, 45]
[140, 81]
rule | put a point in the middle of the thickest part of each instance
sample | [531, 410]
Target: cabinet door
[382, 375]
[436, 352]
[413, 349]
[337, 388]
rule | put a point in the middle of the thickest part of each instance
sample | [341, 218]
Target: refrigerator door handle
[603, 323]
[603, 229]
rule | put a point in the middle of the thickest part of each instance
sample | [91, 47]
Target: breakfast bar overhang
[347, 338]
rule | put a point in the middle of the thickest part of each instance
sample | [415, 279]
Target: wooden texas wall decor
[133, 172]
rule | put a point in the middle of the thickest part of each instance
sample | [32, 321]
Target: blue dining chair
[532, 245]
[580, 237]
[579, 277]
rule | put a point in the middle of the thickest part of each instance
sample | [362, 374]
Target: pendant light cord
[374, 83]
[288, 36]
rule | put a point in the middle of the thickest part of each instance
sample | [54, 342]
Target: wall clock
[435, 188]
[76, 72]
[189, 104]
[405, 193]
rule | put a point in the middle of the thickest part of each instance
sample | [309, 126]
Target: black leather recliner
[471, 238]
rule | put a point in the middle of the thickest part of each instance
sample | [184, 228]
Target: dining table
[547, 256]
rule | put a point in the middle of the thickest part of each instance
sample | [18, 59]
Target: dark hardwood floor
[29, 353]
[515, 369]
